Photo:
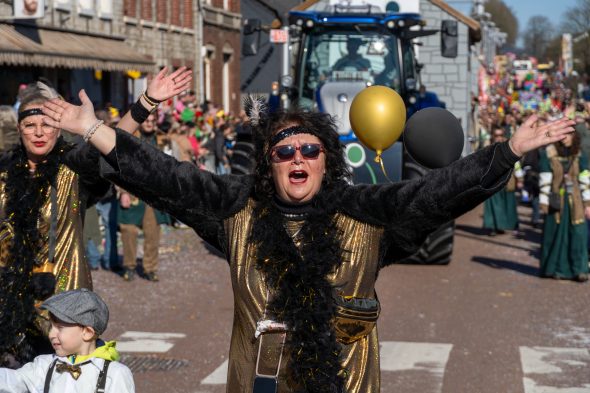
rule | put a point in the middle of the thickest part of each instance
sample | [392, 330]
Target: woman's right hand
[73, 118]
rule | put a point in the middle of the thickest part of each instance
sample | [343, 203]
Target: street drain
[140, 364]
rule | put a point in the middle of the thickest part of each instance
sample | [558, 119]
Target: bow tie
[74, 370]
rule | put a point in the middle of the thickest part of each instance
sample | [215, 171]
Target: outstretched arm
[180, 189]
[411, 210]
[161, 88]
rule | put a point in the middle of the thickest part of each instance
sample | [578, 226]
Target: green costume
[499, 211]
[563, 252]
[133, 215]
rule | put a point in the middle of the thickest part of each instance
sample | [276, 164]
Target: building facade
[166, 31]
[110, 48]
[221, 21]
[77, 44]
[452, 79]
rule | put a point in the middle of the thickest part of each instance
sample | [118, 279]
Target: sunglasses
[309, 151]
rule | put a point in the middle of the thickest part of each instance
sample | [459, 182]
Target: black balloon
[434, 137]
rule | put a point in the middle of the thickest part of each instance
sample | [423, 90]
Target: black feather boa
[301, 295]
[25, 196]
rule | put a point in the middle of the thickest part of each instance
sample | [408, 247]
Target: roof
[41, 47]
[474, 27]
[472, 24]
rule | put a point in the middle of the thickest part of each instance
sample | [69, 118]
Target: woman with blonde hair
[45, 186]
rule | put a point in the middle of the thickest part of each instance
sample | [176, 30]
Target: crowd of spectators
[554, 180]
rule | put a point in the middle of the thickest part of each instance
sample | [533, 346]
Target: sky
[524, 9]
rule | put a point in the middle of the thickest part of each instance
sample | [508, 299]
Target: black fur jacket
[408, 210]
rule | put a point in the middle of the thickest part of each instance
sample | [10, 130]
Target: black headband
[287, 132]
[29, 112]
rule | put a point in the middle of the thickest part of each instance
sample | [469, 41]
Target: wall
[221, 35]
[163, 30]
[448, 78]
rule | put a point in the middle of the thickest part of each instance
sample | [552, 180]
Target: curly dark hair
[573, 150]
[320, 125]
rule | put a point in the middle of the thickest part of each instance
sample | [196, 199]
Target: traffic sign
[279, 36]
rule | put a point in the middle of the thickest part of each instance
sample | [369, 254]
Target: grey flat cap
[80, 306]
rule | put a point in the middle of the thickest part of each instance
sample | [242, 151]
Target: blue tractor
[331, 50]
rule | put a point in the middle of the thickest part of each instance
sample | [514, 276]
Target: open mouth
[39, 144]
[298, 176]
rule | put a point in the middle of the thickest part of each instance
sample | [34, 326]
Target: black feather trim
[25, 196]
[301, 295]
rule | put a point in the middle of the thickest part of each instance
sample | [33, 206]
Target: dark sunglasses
[309, 151]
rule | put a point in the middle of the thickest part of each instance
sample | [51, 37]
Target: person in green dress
[499, 211]
[564, 173]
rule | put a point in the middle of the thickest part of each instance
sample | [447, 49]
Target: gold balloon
[377, 117]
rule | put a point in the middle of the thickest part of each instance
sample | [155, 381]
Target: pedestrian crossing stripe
[147, 342]
[543, 365]
[545, 369]
[217, 377]
[395, 356]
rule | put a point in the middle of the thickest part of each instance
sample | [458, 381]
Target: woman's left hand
[587, 212]
[529, 137]
[75, 119]
[163, 86]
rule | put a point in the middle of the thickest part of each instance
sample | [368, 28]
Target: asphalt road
[486, 323]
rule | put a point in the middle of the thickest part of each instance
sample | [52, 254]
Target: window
[208, 59]
[105, 9]
[226, 63]
[63, 5]
[331, 56]
[86, 7]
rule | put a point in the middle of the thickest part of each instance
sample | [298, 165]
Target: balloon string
[380, 161]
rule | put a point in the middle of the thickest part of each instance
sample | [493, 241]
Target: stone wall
[450, 79]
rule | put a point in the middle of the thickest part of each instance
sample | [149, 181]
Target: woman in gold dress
[45, 186]
[304, 247]
[42, 203]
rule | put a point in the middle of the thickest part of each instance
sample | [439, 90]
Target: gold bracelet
[149, 100]
[152, 106]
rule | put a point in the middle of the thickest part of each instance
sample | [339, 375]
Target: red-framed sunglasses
[309, 151]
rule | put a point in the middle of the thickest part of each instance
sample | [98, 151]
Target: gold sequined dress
[70, 268]
[379, 225]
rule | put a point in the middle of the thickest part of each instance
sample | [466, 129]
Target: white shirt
[30, 378]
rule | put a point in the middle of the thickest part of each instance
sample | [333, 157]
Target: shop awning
[38, 47]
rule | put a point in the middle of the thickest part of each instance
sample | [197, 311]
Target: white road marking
[395, 356]
[428, 360]
[401, 356]
[217, 377]
[552, 370]
[148, 342]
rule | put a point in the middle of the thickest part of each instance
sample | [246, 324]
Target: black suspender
[102, 378]
[48, 377]
[100, 384]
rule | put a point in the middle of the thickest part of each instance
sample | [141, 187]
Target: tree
[504, 18]
[576, 21]
[553, 50]
[538, 35]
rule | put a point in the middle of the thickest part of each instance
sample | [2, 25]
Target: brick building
[164, 30]
[220, 78]
[94, 43]
[77, 44]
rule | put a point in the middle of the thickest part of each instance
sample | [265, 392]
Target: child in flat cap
[82, 363]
